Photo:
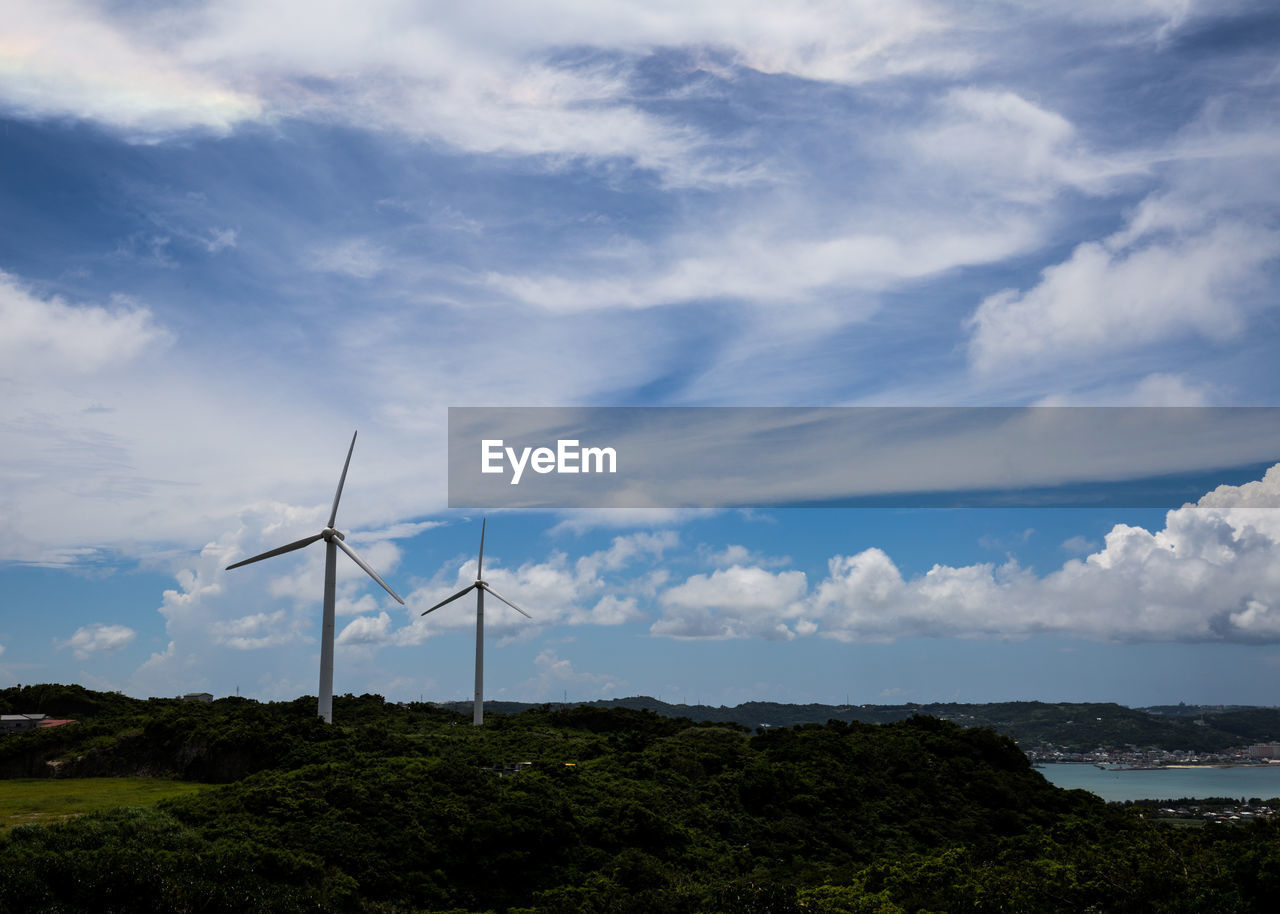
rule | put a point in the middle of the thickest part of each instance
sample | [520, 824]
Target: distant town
[1133, 757]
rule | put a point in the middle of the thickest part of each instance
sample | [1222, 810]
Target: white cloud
[735, 554]
[609, 610]
[366, 630]
[1003, 145]
[1079, 545]
[305, 585]
[91, 639]
[625, 549]
[220, 240]
[1209, 575]
[357, 257]
[773, 265]
[555, 675]
[1190, 261]
[735, 602]
[557, 591]
[1156, 389]
[46, 335]
[1107, 297]
[491, 79]
[65, 58]
[581, 520]
[256, 631]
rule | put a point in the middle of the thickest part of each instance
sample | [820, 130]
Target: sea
[1249, 781]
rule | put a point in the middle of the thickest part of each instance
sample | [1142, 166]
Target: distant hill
[1075, 726]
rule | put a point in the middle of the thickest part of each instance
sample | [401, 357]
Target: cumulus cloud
[1212, 573]
[91, 639]
[255, 631]
[734, 602]
[609, 610]
[305, 584]
[1121, 295]
[1209, 575]
[366, 630]
[557, 591]
[50, 334]
[1190, 261]
[1079, 545]
[735, 554]
[583, 520]
[625, 549]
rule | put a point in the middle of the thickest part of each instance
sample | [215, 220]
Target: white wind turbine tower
[480, 587]
[333, 540]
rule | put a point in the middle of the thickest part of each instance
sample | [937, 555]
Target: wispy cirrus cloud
[64, 58]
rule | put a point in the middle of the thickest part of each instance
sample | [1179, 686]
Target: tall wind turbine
[333, 540]
[480, 587]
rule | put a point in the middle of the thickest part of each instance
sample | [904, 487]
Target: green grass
[43, 801]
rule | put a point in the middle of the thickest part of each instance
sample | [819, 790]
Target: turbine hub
[330, 533]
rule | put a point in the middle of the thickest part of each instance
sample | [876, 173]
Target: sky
[232, 233]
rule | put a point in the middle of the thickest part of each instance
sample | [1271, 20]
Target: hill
[1077, 726]
[592, 809]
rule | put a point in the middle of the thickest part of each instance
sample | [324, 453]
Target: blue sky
[233, 232]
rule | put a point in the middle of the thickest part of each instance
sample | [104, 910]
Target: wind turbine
[480, 587]
[333, 540]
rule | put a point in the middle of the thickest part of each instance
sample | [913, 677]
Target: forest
[1073, 726]
[408, 808]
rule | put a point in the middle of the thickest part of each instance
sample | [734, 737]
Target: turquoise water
[1168, 783]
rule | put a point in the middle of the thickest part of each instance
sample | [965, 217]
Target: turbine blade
[489, 589]
[461, 593]
[365, 565]
[480, 564]
[280, 551]
[333, 515]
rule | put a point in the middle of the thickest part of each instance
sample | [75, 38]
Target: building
[1264, 750]
[11, 723]
[15, 723]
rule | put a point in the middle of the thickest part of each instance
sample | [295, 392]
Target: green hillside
[591, 809]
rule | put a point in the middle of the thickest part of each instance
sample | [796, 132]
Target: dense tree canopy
[408, 808]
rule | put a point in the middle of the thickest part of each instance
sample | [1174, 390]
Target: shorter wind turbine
[480, 586]
[333, 542]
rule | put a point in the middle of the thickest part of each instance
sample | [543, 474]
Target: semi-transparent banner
[737, 457]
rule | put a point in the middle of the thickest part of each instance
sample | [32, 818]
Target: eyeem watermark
[567, 457]
[913, 457]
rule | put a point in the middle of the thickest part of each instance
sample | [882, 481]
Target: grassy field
[42, 801]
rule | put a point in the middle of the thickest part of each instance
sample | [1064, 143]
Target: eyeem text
[566, 457]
